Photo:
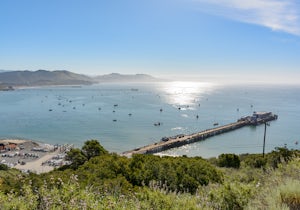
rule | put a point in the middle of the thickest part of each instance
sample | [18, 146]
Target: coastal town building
[8, 146]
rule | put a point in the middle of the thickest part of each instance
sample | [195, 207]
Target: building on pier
[259, 117]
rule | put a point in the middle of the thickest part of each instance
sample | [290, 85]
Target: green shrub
[177, 173]
[3, 167]
[229, 161]
[11, 180]
[280, 155]
[255, 161]
[230, 196]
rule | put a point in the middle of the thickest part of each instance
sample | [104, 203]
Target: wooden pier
[172, 142]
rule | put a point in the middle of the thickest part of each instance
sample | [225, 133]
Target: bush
[230, 196]
[3, 167]
[175, 173]
[255, 161]
[280, 155]
[229, 161]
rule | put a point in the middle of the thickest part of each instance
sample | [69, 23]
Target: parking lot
[30, 155]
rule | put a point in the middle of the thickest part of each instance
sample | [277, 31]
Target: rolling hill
[10, 79]
[43, 78]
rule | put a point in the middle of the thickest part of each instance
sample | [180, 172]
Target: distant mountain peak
[43, 77]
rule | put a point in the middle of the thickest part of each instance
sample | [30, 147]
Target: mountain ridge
[42, 78]
[26, 78]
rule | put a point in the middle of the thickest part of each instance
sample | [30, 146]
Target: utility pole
[266, 124]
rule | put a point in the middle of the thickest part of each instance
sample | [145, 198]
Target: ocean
[122, 116]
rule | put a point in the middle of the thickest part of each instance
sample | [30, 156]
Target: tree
[93, 148]
[76, 157]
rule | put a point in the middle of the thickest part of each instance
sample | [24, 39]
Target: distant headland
[116, 77]
[11, 79]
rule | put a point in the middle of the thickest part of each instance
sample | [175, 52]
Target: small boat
[114, 120]
[161, 110]
[115, 105]
[50, 110]
[157, 124]
[197, 116]
[129, 114]
[215, 124]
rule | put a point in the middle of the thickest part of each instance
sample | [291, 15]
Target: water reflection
[183, 93]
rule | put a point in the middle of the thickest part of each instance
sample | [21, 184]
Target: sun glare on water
[185, 93]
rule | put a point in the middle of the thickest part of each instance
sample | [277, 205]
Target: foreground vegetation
[99, 180]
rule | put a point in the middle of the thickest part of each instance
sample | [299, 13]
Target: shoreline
[17, 141]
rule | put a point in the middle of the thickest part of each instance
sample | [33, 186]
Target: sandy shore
[15, 141]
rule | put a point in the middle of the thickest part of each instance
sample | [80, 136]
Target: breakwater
[172, 142]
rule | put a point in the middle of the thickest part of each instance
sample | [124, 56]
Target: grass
[278, 189]
[290, 194]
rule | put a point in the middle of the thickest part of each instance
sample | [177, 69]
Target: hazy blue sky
[231, 39]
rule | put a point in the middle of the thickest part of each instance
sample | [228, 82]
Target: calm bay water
[75, 114]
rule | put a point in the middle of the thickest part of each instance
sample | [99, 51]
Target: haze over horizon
[215, 40]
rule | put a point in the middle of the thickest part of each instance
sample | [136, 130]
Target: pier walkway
[180, 140]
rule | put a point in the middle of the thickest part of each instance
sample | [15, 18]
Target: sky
[232, 40]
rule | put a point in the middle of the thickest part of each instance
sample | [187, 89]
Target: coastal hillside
[116, 77]
[97, 179]
[42, 77]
